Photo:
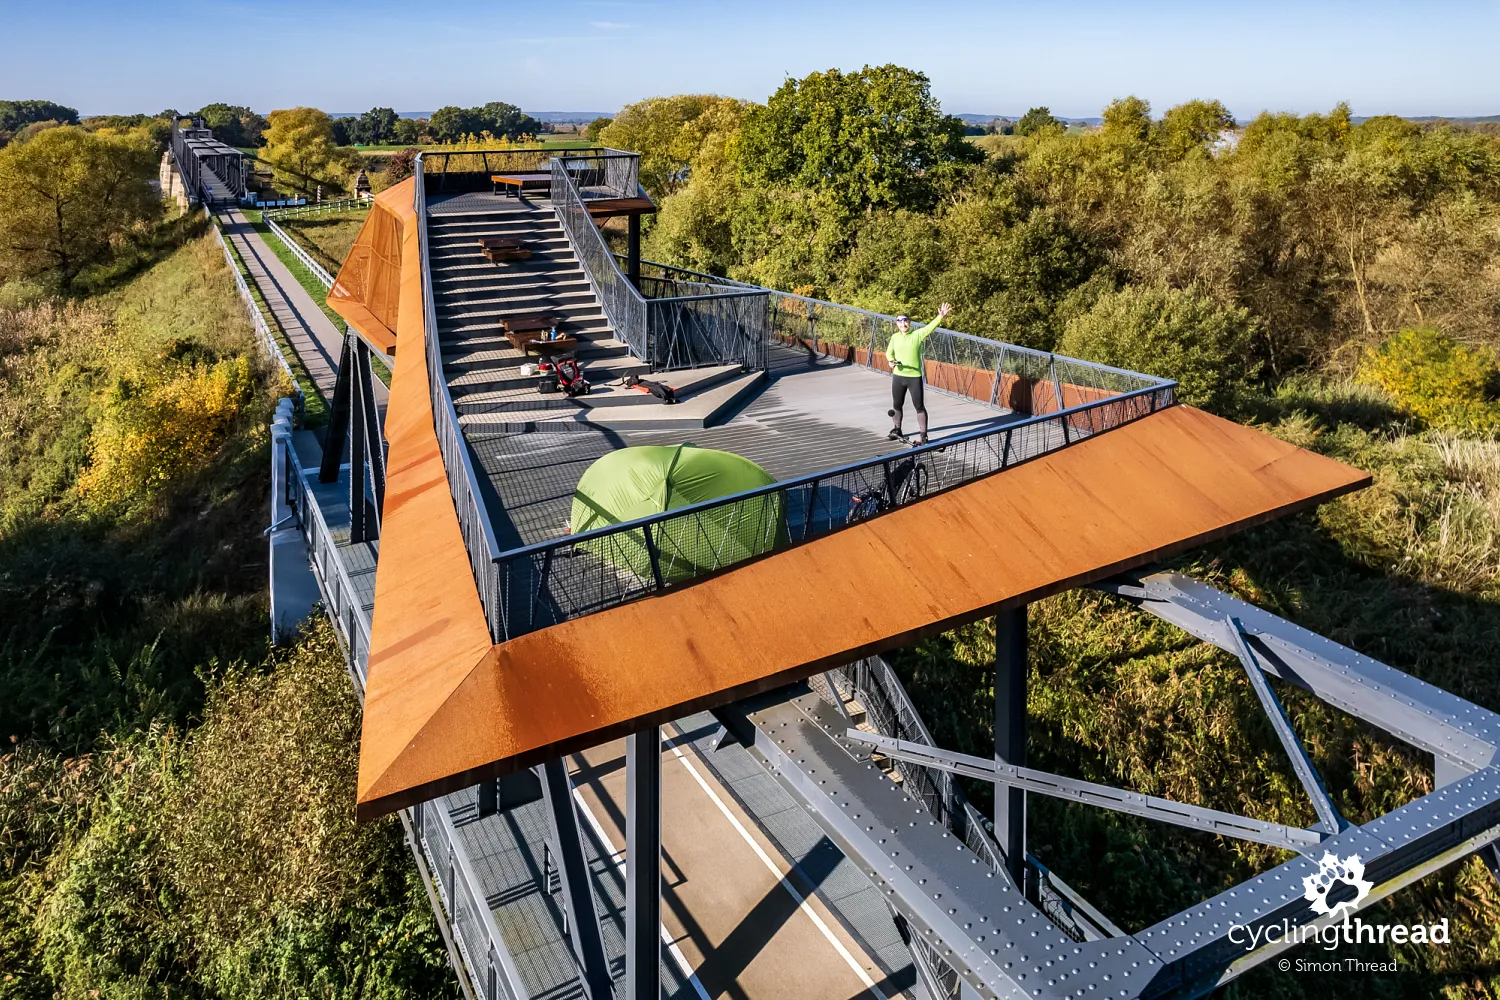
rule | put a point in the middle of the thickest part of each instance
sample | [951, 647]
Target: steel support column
[583, 915]
[372, 454]
[633, 250]
[1010, 737]
[354, 416]
[338, 416]
[643, 864]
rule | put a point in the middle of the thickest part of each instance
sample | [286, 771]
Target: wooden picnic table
[520, 181]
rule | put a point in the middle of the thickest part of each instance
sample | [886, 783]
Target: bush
[1172, 333]
[1435, 379]
[401, 164]
[221, 862]
[155, 434]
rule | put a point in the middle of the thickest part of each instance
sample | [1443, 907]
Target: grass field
[337, 233]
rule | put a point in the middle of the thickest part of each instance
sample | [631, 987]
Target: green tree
[451, 122]
[233, 124]
[669, 132]
[595, 128]
[872, 138]
[376, 126]
[67, 195]
[1037, 120]
[1172, 333]
[1192, 126]
[303, 150]
[501, 119]
[407, 131]
[1128, 119]
[15, 115]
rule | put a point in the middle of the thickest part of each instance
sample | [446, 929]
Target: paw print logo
[1331, 871]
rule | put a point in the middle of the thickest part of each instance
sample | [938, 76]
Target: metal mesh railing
[596, 172]
[603, 173]
[548, 582]
[890, 711]
[624, 306]
[960, 364]
[697, 326]
[714, 328]
[489, 966]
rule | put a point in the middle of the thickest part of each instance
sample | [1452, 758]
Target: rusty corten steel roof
[443, 714]
[367, 290]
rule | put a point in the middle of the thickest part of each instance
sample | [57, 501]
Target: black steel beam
[643, 865]
[365, 439]
[362, 525]
[633, 249]
[1010, 737]
[578, 892]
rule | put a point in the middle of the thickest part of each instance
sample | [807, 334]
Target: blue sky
[1432, 57]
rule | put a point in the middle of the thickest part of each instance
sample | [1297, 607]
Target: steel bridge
[213, 174]
[644, 761]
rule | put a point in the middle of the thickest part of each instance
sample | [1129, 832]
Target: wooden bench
[499, 250]
[520, 181]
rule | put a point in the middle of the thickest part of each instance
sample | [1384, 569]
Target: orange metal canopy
[367, 290]
[445, 709]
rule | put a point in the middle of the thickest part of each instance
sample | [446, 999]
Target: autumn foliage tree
[302, 150]
[69, 197]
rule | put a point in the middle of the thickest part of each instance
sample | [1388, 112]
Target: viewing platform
[665, 754]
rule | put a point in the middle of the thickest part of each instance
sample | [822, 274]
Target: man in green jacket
[905, 355]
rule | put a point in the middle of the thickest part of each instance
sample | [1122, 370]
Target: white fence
[257, 318]
[318, 271]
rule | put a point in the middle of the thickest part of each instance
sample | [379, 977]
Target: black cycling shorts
[901, 385]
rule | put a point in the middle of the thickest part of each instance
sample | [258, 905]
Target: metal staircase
[484, 372]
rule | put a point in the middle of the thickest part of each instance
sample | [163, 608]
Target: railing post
[654, 555]
[999, 375]
[1057, 390]
[633, 249]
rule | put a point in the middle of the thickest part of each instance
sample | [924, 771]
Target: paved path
[733, 909]
[311, 333]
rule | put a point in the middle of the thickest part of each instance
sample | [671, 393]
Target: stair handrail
[622, 302]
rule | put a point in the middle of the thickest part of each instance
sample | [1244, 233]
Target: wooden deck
[1122, 499]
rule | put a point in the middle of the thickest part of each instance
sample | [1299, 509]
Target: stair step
[481, 349]
[702, 409]
[486, 380]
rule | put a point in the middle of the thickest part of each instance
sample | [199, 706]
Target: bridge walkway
[308, 329]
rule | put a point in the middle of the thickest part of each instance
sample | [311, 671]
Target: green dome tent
[637, 482]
